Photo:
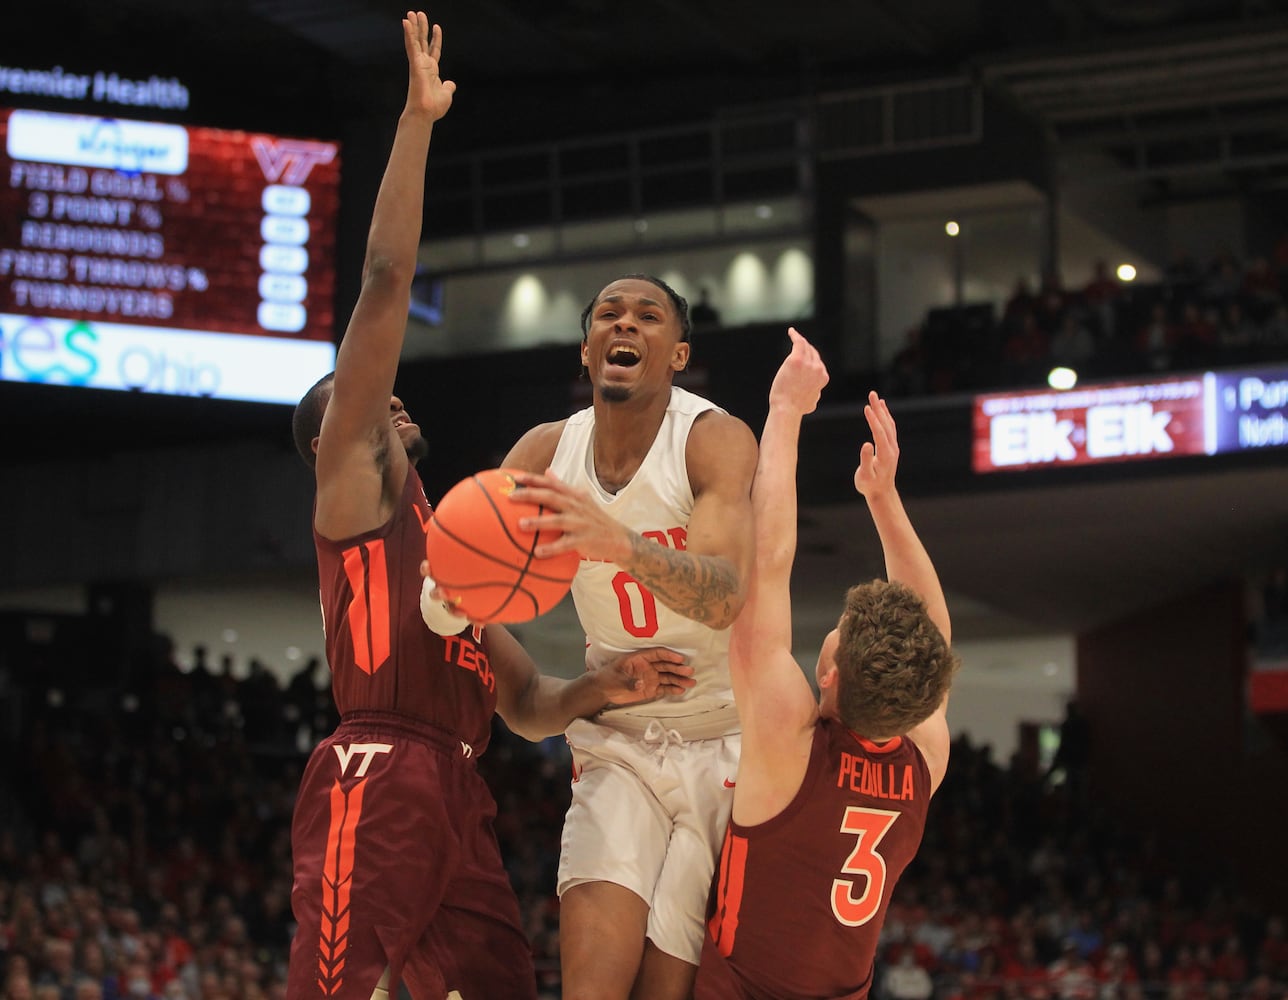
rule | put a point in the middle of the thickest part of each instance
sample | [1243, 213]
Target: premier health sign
[1205, 414]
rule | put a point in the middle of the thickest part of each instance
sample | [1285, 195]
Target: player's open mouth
[623, 356]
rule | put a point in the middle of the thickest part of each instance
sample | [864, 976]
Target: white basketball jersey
[616, 612]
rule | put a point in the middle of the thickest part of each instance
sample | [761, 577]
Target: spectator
[937, 935]
[906, 980]
[1071, 976]
[1115, 971]
[1260, 291]
[1073, 753]
[1021, 302]
[1262, 988]
[1024, 967]
[1229, 963]
[1237, 335]
[259, 699]
[1196, 337]
[58, 969]
[1272, 341]
[702, 314]
[1153, 970]
[908, 368]
[1051, 304]
[301, 703]
[1272, 954]
[87, 989]
[1073, 346]
[1025, 353]
[1086, 936]
[1101, 296]
[1279, 258]
[1181, 276]
[1223, 281]
[1186, 974]
[1157, 339]
[135, 982]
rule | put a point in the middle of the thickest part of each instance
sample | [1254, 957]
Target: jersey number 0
[637, 605]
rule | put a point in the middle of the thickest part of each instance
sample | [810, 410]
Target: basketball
[483, 562]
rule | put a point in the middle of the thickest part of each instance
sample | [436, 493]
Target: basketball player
[396, 867]
[832, 793]
[652, 486]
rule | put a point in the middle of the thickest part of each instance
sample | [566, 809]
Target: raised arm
[906, 558]
[359, 476]
[907, 561]
[535, 705]
[775, 702]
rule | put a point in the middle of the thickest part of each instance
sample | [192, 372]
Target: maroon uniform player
[396, 868]
[831, 797]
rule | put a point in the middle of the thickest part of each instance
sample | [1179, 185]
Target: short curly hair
[893, 664]
[306, 422]
[680, 303]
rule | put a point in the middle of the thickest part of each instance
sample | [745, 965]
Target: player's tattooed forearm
[702, 588]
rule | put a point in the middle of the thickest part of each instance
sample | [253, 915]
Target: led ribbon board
[1199, 414]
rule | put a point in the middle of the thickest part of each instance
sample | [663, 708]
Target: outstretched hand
[879, 457]
[644, 675]
[800, 379]
[427, 92]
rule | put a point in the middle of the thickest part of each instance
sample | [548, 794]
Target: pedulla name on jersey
[874, 779]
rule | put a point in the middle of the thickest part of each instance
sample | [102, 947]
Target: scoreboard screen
[165, 258]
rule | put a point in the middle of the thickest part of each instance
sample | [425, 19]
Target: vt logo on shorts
[337, 869]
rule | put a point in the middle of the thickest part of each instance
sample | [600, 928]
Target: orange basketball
[482, 560]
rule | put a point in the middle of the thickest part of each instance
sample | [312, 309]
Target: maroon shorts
[396, 864]
[717, 979]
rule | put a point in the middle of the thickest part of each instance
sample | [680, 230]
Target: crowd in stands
[144, 853]
[1226, 313]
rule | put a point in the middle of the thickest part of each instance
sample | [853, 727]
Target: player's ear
[585, 353]
[680, 358]
[314, 443]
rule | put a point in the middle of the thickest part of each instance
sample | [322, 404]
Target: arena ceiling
[531, 70]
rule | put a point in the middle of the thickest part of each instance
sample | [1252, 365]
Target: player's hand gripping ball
[483, 562]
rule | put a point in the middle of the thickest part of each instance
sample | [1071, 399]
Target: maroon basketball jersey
[798, 901]
[382, 655]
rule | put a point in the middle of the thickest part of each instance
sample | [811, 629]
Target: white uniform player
[652, 487]
[668, 745]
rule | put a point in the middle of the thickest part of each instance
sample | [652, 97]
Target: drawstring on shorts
[660, 739]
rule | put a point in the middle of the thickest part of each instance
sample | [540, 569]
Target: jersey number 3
[870, 826]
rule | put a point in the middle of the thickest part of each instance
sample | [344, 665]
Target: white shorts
[648, 813]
